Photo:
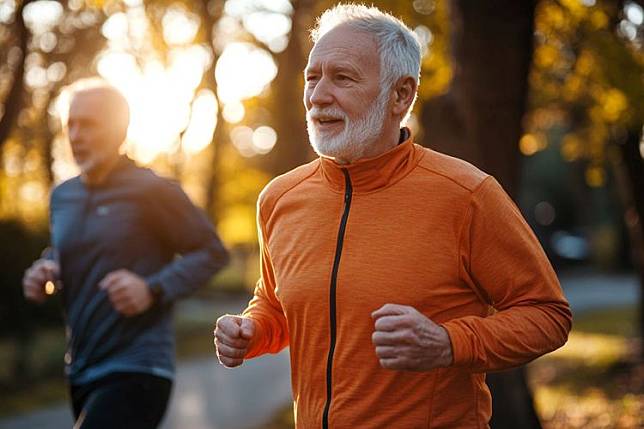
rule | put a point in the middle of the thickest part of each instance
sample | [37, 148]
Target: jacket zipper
[334, 281]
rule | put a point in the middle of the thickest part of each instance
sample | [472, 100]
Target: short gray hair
[398, 46]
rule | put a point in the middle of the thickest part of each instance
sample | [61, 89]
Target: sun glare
[243, 71]
[168, 112]
[161, 98]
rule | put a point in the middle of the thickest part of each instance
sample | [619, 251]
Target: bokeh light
[179, 26]
[42, 16]
[264, 138]
[243, 71]
[202, 122]
[234, 112]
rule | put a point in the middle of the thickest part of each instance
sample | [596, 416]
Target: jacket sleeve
[502, 260]
[186, 232]
[271, 331]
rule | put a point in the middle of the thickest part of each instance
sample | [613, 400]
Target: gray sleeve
[187, 232]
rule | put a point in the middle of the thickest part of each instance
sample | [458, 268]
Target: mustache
[326, 112]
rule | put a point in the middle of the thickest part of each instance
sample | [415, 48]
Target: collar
[372, 174]
[122, 163]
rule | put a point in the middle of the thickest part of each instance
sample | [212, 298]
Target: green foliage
[586, 78]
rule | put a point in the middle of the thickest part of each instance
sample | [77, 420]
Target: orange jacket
[418, 228]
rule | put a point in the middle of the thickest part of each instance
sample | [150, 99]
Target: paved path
[587, 290]
[206, 395]
[209, 396]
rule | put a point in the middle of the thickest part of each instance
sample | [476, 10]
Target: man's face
[94, 136]
[344, 102]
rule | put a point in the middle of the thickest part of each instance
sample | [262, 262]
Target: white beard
[92, 162]
[356, 138]
[87, 165]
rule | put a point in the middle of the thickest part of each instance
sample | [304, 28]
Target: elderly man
[116, 230]
[397, 275]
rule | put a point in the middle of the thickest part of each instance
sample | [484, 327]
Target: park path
[588, 290]
[205, 395]
[209, 396]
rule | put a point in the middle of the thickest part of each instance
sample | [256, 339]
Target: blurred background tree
[546, 95]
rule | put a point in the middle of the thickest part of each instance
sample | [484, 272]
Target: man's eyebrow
[342, 68]
[346, 68]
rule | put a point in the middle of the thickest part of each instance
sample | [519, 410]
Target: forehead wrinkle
[362, 52]
[342, 64]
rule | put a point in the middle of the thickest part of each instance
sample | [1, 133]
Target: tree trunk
[630, 176]
[286, 98]
[13, 103]
[480, 120]
[209, 81]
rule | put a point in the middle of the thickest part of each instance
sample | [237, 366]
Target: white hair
[398, 46]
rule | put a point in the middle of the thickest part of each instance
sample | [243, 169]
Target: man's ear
[404, 92]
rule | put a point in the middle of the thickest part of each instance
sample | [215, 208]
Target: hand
[128, 292]
[232, 336]
[33, 282]
[407, 340]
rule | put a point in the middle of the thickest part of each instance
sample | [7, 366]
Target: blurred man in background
[116, 232]
[397, 275]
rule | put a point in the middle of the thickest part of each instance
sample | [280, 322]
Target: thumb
[247, 328]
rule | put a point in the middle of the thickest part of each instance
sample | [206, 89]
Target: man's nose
[321, 94]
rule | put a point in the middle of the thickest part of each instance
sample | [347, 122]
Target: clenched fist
[33, 282]
[407, 340]
[128, 292]
[232, 337]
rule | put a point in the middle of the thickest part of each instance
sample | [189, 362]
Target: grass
[596, 380]
[620, 322]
